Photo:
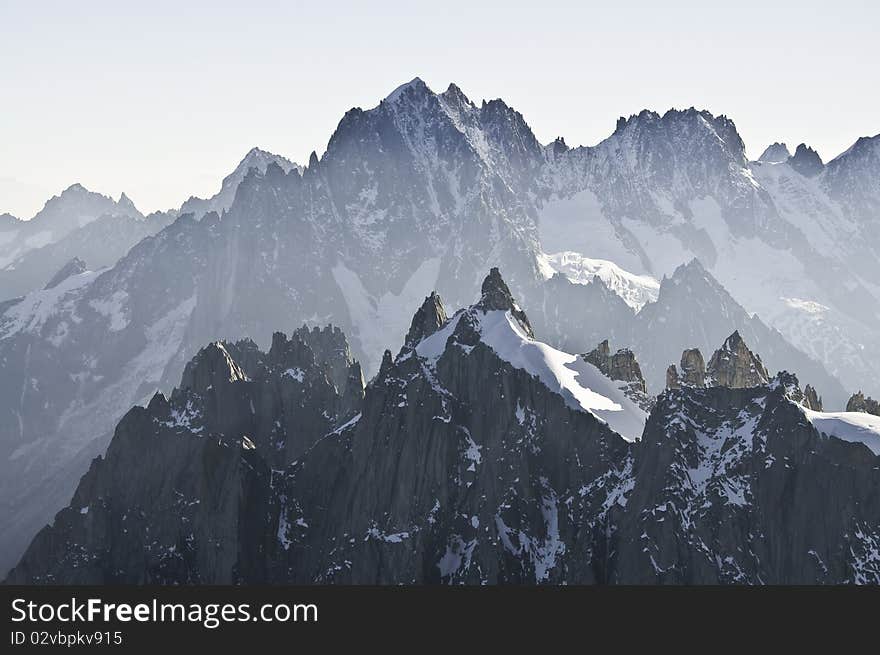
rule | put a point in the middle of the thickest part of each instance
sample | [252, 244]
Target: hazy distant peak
[806, 161]
[775, 153]
[255, 159]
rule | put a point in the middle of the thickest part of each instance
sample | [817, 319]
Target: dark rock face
[730, 495]
[806, 161]
[735, 366]
[184, 490]
[673, 380]
[74, 267]
[458, 468]
[455, 466]
[859, 403]
[693, 369]
[427, 320]
[496, 296]
[621, 365]
[812, 400]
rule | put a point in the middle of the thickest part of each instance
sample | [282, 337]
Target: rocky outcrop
[694, 311]
[622, 366]
[859, 403]
[812, 399]
[496, 296]
[672, 378]
[693, 371]
[735, 366]
[427, 320]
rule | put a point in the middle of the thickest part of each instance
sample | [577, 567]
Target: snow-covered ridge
[857, 427]
[581, 384]
[635, 290]
[33, 311]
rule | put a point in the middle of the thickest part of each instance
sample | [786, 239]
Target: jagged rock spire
[429, 318]
[693, 371]
[673, 381]
[735, 366]
[622, 365]
[859, 403]
[693, 368]
[496, 296]
[812, 399]
[211, 367]
[806, 161]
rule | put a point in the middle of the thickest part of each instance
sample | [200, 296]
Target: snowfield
[635, 290]
[857, 427]
[581, 384]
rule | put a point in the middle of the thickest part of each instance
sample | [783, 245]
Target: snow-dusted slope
[581, 384]
[664, 189]
[857, 427]
[636, 290]
[73, 208]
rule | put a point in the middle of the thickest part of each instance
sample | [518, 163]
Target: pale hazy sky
[162, 99]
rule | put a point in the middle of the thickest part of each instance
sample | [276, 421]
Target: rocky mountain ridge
[426, 190]
[477, 455]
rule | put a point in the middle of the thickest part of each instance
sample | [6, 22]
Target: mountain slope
[404, 475]
[423, 191]
[779, 236]
[477, 455]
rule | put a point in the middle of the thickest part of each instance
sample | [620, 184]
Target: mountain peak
[429, 318]
[126, 203]
[495, 292]
[76, 187]
[806, 161]
[261, 160]
[8, 220]
[735, 366]
[211, 368]
[692, 271]
[414, 86]
[496, 296]
[775, 153]
[454, 94]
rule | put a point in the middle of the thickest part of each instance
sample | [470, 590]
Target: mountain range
[660, 238]
[477, 455]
